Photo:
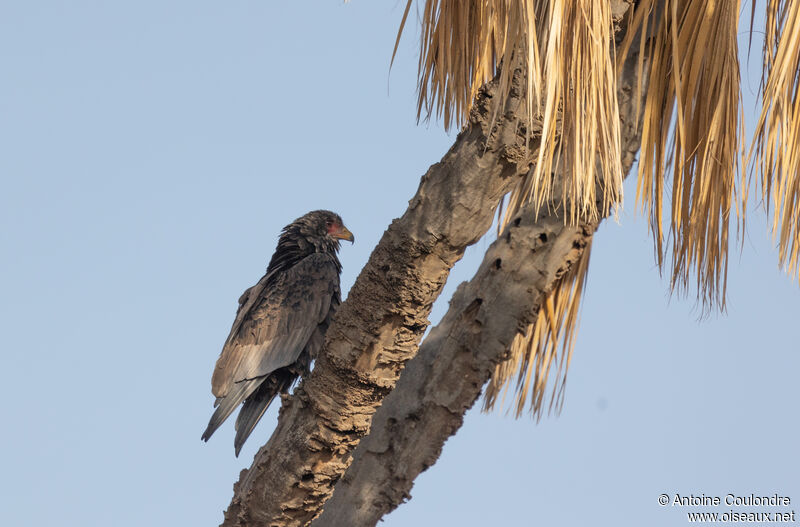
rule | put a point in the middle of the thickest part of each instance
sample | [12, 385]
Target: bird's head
[319, 231]
[323, 228]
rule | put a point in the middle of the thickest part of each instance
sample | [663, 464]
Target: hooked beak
[342, 233]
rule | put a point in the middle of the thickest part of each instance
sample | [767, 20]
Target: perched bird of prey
[281, 322]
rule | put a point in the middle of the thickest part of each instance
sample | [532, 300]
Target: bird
[280, 323]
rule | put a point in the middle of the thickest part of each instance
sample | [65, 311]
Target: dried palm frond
[546, 345]
[692, 126]
[580, 126]
[462, 44]
[567, 49]
[777, 138]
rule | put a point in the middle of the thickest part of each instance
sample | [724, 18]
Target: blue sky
[150, 152]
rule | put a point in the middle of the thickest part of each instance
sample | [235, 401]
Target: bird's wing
[274, 322]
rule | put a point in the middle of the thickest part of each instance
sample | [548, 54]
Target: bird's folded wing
[275, 322]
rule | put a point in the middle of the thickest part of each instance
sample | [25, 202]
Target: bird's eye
[329, 223]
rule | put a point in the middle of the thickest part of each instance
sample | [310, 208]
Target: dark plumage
[281, 322]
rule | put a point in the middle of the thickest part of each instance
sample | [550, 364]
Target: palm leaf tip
[692, 126]
[776, 146]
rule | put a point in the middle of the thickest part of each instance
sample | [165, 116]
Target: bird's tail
[257, 403]
[228, 404]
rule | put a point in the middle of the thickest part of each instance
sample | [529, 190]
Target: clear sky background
[151, 151]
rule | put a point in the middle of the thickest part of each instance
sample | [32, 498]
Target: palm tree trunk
[456, 359]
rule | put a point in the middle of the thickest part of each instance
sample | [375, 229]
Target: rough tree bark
[378, 328]
[458, 356]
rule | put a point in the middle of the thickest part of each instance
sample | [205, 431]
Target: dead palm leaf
[777, 137]
[692, 128]
[568, 49]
